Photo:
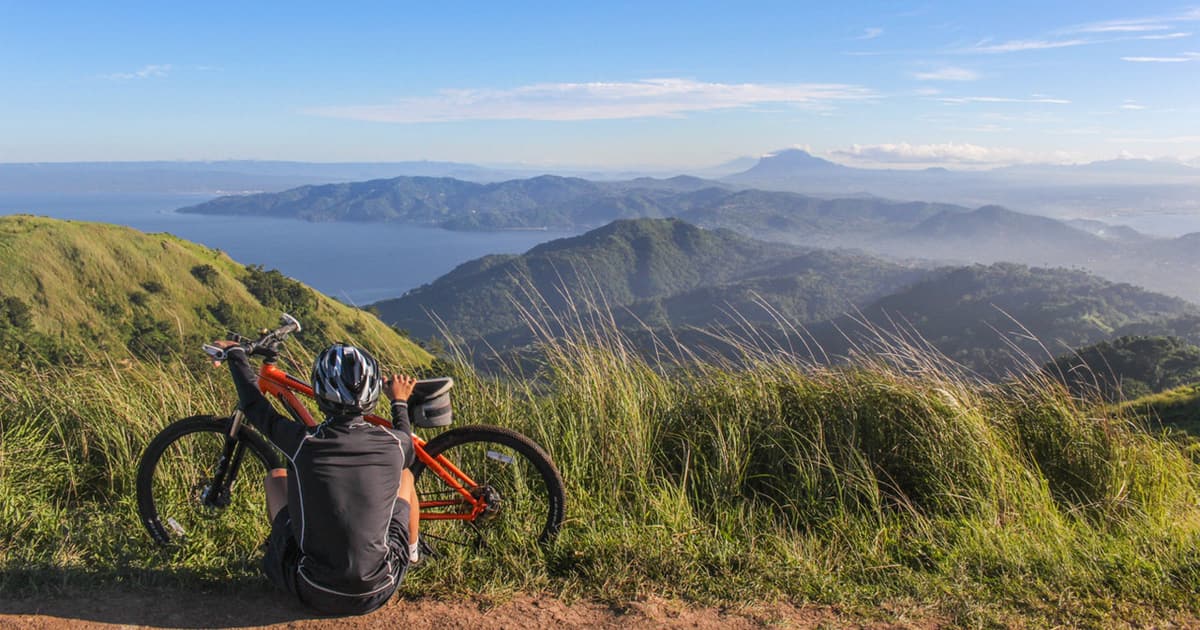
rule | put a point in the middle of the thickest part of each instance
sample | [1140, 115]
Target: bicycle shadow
[146, 598]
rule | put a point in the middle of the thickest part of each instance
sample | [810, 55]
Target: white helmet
[346, 381]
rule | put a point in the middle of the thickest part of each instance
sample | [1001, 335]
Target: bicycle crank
[492, 502]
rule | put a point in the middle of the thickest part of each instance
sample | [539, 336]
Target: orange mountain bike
[478, 485]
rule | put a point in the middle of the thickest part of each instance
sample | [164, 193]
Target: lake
[357, 263]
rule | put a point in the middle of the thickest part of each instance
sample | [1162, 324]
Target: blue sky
[612, 85]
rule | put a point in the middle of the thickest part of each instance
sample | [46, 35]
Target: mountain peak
[797, 157]
[791, 163]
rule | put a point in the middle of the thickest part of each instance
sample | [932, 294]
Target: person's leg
[276, 484]
[408, 492]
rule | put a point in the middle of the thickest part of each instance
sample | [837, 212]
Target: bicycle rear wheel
[181, 502]
[516, 478]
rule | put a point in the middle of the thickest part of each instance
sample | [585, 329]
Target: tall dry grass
[895, 477]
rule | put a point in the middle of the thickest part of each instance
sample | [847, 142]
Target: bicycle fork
[217, 493]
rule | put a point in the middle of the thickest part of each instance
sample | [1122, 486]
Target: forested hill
[1005, 317]
[618, 264]
[1129, 367]
[563, 202]
[666, 275]
[656, 273]
[536, 202]
[73, 292]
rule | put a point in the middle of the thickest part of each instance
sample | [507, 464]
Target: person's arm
[398, 389]
[279, 429]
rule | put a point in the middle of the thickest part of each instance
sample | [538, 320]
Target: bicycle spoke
[198, 515]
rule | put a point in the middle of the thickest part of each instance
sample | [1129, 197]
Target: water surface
[358, 263]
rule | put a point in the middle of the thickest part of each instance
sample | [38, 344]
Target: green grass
[91, 289]
[777, 480]
[1177, 408]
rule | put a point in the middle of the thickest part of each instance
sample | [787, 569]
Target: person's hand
[223, 344]
[399, 387]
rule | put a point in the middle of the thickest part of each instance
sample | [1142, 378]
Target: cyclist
[344, 530]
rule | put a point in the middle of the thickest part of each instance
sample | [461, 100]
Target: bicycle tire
[518, 460]
[159, 483]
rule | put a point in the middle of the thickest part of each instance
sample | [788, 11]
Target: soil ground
[165, 608]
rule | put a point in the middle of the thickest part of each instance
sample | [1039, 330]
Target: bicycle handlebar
[288, 325]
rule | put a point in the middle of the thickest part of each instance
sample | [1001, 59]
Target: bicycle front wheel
[514, 477]
[201, 489]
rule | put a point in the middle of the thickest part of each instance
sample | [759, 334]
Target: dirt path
[180, 609]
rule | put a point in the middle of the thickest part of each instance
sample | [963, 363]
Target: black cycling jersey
[342, 485]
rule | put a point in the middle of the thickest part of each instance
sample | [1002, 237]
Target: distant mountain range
[572, 203]
[898, 230]
[226, 177]
[217, 177]
[1093, 190]
[677, 281]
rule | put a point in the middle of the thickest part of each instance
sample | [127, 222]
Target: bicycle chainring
[492, 502]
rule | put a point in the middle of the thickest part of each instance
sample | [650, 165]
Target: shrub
[205, 273]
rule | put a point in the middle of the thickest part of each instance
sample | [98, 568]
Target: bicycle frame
[273, 381]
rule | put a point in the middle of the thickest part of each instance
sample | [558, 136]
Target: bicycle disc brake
[212, 499]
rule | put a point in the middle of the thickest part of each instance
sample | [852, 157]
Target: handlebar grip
[289, 324]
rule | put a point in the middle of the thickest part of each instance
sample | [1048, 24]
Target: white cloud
[650, 98]
[152, 71]
[958, 100]
[1026, 44]
[947, 74]
[1181, 58]
[1147, 28]
[870, 33]
[1166, 36]
[948, 153]
[1132, 106]
[1123, 28]
[1137, 25]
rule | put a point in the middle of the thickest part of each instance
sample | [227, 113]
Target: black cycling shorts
[281, 563]
[282, 557]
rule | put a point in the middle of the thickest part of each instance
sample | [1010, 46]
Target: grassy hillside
[865, 488]
[1177, 408]
[77, 292]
